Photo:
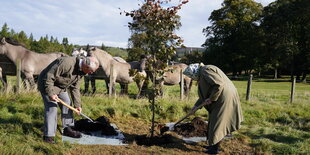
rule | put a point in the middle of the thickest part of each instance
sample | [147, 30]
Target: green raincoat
[225, 114]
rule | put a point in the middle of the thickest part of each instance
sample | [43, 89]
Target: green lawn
[272, 124]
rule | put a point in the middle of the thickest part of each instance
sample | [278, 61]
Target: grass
[272, 124]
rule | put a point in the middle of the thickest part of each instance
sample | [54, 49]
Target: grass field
[272, 124]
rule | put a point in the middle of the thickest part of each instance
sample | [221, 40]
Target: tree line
[244, 37]
[43, 45]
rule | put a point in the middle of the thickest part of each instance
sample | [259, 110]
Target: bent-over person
[57, 80]
[222, 101]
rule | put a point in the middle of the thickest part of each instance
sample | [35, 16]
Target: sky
[95, 22]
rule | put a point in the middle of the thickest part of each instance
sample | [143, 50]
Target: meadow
[272, 124]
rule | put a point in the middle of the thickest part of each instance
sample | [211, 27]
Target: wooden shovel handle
[191, 113]
[68, 106]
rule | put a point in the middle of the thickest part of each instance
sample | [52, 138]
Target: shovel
[190, 113]
[166, 128]
[73, 109]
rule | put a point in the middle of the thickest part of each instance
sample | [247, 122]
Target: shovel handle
[190, 113]
[68, 106]
[73, 109]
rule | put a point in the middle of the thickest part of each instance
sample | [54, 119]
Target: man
[62, 76]
[221, 100]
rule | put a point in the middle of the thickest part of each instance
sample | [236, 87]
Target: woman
[221, 99]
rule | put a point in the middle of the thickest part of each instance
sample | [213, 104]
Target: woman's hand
[208, 101]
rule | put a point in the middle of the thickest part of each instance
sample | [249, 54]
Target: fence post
[293, 89]
[248, 90]
[182, 85]
[111, 81]
[18, 75]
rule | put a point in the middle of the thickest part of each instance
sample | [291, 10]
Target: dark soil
[100, 124]
[196, 128]
[155, 140]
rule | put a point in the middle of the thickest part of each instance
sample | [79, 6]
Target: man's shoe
[49, 140]
[68, 131]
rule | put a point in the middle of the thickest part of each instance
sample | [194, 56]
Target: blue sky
[98, 21]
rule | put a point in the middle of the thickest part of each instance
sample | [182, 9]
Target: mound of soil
[100, 124]
[196, 128]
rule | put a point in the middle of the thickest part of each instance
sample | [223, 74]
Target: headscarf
[192, 71]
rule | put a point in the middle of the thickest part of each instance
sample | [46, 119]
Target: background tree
[228, 37]
[43, 45]
[5, 31]
[103, 47]
[285, 23]
[157, 25]
[193, 57]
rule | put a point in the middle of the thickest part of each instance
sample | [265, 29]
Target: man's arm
[75, 94]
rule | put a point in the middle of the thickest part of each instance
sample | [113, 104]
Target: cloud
[97, 21]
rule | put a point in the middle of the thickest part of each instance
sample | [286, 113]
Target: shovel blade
[87, 117]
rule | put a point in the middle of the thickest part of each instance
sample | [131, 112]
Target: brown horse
[120, 70]
[172, 76]
[32, 63]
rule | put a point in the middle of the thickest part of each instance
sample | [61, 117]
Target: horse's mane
[100, 50]
[13, 42]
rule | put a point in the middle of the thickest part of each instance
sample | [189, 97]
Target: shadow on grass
[166, 141]
[276, 138]
[28, 128]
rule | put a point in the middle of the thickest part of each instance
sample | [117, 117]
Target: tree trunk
[275, 73]
[304, 77]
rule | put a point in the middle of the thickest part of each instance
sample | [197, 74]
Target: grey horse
[171, 77]
[32, 63]
[99, 74]
[120, 70]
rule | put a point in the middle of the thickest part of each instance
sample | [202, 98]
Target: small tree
[157, 24]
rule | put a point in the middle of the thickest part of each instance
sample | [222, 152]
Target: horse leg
[139, 85]
[107, 84]
[113, 88]
[4, 81]
[29, 78]
[161, 93]
[86, 84]
[93, 83]
[123, 87]
[189, 86]
[126, 88]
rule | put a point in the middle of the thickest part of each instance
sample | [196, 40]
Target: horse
[171, 76]
[1, 78]
[99, 74]
[7, 68]
[120, 70]
[32, 63]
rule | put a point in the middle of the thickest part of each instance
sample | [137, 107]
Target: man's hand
[79, 109]
[54, 98]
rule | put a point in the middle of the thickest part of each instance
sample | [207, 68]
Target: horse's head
[79, 52]
[2, 46]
